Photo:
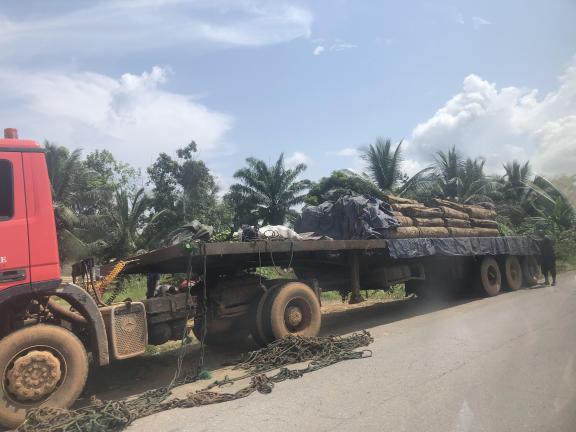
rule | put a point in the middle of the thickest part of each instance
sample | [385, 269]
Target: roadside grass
[275, 273]
[566, 265]
[396, 292]
[134, 287]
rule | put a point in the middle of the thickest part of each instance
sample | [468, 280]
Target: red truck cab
[28, 244]
[32, 337]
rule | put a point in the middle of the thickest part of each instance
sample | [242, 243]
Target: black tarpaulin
[348, 218]
[462, 246]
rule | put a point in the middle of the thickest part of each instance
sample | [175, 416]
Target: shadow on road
[131, 377]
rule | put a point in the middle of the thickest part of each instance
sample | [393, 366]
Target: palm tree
[383, 163]
[448, 169]
[476, 186]
[453, 177]
[271, 190]
[515, 180]
[384, 169]
[516, 192]
[341, 183]
[125, 220]
[64, 169]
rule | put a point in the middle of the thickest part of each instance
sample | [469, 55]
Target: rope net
[100, 415]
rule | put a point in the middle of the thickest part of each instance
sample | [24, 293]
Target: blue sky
[314, 80]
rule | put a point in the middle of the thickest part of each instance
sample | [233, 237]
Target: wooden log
[433, 232]
[451, 204]
[425, 222]
[423, 212]
[402, 207]
[403, 232]
[397, 213]
[478, 212]
[454, 214]
[484, 223]
[392, 199]
[462, 232]
[487, 232]
[405, 220]
[457, 223]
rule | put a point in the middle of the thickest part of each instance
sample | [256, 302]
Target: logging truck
[52, 332]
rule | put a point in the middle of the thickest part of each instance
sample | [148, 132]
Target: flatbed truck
[52, 332]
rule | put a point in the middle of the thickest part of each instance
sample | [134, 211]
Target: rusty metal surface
[173, 259]
[238, 255]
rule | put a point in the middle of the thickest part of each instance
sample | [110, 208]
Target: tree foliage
[340, 183]
[384, 163]
[268, 192]
[103, 207]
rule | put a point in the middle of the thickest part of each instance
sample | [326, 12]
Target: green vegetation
[267, 193]
[106, 208]
[396, 292]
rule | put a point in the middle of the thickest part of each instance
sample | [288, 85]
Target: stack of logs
[446, 219]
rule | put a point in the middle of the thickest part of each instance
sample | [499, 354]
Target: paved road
[497, 364]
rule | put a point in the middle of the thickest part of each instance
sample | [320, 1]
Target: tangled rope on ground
[116, 415]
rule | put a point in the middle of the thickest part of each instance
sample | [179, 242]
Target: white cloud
[460, 18]
[353, 157]
[505, 124]
[297, 158]
[132, 116]
[478, 22]
[318, 50]
[105, 27]
[342, 46]
[337, 45]
[346, 152]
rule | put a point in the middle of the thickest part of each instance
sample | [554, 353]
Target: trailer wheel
[490, 277]
[530, 270]
[42, 365]
[291, 309]
[512, 273]
[256, 320]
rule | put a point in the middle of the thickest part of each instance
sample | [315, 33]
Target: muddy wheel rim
[297, 315]
[492, 275]
[33, 375]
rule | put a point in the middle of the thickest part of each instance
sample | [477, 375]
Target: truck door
[14, 251]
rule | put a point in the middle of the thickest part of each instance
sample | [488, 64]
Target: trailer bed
[257, 253]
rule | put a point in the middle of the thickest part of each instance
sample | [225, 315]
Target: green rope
[99, 415]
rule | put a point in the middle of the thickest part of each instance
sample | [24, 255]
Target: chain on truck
[52, 332]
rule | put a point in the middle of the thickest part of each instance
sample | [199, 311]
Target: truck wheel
[292, 308]
[42, 365]
[512, 273]
[256, 322]
[490, 277]
[530, 270]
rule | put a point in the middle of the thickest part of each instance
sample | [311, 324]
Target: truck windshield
[6, 190]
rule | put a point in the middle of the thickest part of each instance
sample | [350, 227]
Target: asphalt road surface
[498, 364]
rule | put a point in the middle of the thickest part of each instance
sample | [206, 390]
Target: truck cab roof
[10, 142]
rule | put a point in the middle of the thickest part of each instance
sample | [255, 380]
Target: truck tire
[42, 365]
[256, 321]
[530, 270]
[291, 309]
[490, 278]
[512, 273]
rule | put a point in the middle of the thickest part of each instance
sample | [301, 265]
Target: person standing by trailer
[548, 257]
